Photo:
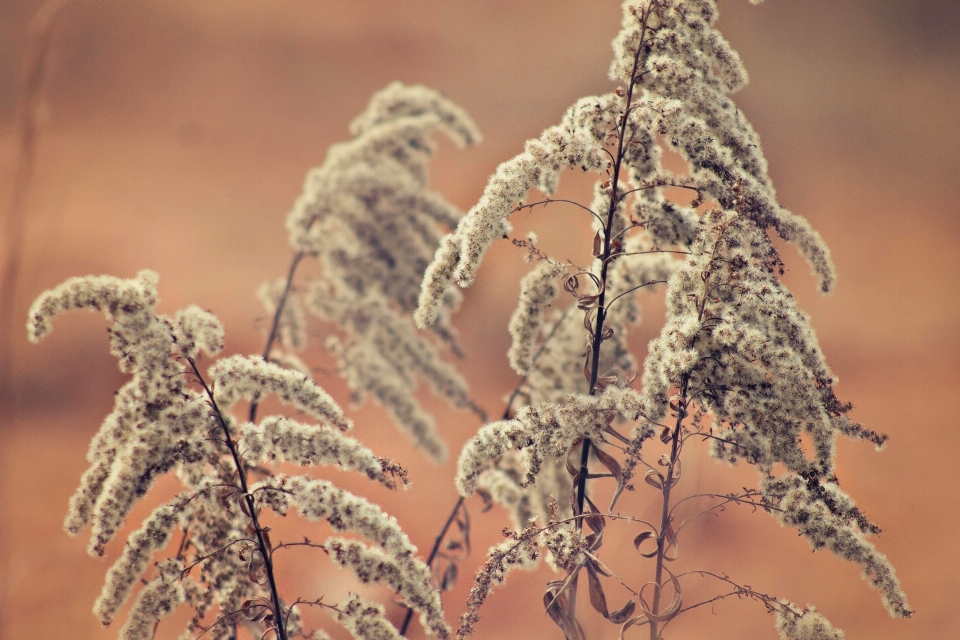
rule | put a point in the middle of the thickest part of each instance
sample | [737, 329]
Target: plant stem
[275, 324]
[663, 543]
[433, 555]
[265, 552]
[601, 308]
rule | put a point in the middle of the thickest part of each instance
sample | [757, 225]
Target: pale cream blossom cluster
[735, 350]
[367, 215]
[365, 620]
[808, 624]
[157, 422]
[250, 378]
[394, 563]
[537, 292]
[157, 599]
[171, 417]
[280, 439]
[546, 430]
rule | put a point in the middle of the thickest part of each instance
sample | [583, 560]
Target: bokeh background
[175, 136]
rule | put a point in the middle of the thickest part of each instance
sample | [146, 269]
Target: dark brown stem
[433, 555]
[254, 519]
[601, 301]
[664, 539]
[275, 324]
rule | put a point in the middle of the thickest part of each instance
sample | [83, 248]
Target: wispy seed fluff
[395, 565]
[249, 378]
[806, 625]
[547, 430]
[163, 422]
[537, 292]
[157, 600]
[280, 439]
[367, 215]
[686, 71]
[156, 423]
[365, 620]
[734, 345]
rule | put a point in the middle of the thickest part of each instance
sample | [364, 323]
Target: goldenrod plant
[736, 367]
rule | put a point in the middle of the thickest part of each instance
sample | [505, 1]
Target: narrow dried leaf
[607, 460]
[665, 435]
[597, 598]
[595, 521]
[597, 245]
[671, 610]
[257, 569]
[486, 497]
[671, 544]
[242, 501]
[629, 623]
[588, 321]
[623, 613]
[573, 463]
[449, 577]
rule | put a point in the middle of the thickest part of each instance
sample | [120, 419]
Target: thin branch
[275, 324]
[433, 555]
[251, 507]
[632, 289]
[547, 201]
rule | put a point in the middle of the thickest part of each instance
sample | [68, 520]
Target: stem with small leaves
[262, 547]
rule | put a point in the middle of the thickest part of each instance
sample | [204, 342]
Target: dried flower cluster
[736, 362]
[368, 217]
[736, 365]
[167, 418]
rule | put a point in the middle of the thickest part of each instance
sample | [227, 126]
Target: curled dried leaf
[587, 302]
[671, 609]
[665, 435]
[257, 568]
[557, 607]
[654, 478]
[256, 609]
[640, 539]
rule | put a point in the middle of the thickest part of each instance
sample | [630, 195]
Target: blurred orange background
[176, 136]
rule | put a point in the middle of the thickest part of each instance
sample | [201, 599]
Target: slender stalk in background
[32, 80]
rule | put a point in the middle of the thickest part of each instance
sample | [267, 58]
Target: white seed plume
[735, 346]
[395, 565]
[367, 215]
[808, 624]
[250, 378]
[365, 620]
[156, 600]
[537, 292]
[280, 439]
